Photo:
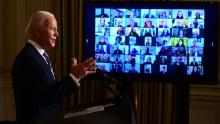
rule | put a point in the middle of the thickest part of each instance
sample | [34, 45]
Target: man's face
[48, 32]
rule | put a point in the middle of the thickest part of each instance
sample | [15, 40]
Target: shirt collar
[38, 47]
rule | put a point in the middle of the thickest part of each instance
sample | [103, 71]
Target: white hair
[37, 19]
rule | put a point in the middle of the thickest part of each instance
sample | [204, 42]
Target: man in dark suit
[38, 95]
[117, 50]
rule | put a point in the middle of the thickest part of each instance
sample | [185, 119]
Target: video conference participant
[197, 15]
[194, 62]
[148, 24]
[163, 50]
[102, 40]
[179, 15]
[103, 14]
[181, 33]
[165, 33]
[163, 69]
[147, 51]
[133, 13]
[102, 23]
[130, 60]
[133, 69]
[132, 32]
[147, 68]
[149, 14]
[38, 95]
[115, 13]
[118, 40]
[132, 23]
[116, 67]
[181, 47]
[162, 23]
[117, 50]
[163, 60]
[195, 71]
[180, 61]
[101, 49]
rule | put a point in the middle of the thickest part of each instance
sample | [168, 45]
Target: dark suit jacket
[38, 96]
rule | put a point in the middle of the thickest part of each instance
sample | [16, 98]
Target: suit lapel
[40, 61]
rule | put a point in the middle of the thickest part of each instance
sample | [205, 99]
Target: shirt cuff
[76, 80]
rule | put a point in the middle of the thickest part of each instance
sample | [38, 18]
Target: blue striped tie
[48, 62]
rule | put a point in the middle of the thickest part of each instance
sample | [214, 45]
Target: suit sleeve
[68, 85]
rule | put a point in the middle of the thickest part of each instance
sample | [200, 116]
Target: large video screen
[152, 41]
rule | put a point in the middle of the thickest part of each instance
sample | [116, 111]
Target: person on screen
[181, 47]
[119, 24]
[150, 32]
[163, 60]
[195, 71]
[184, 24]
[117, 68]
[118, 40]
[100, 50]
[163, 70]
[165, 33]
[102, 41]
[177, 25]
[163, 24]
[148, 24]
[194, 62]
[181, 33]
[130, 60]
[179, 15]
[133, 14]
[99, 58]
[117, 14]
[179, 61]
[193, 48]
[103, 68]
[147, 69]
[162, 15]
[117, 50]
[164, 42]
[38, 94]
[132, 23]
[149, 60]
[133, 32]
[133, 70]
[194, 43]
[195, 23]
[197, 15]
[147, 51]
[102, 23]
[162, 50]
[195, 34]
[149, 15]
[134, 51]
[180, 43]
[106, 32]
[147, 41]
[194, 51]
[103, 14]
[117, 60]
[120, 31]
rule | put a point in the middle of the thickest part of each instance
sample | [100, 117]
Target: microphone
[105, 75]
